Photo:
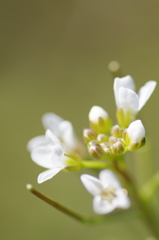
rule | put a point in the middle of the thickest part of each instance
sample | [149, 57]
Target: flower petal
[126, 82]
[58, 157]
[108, 179]
[128, 100]
[42, 156]
[52, 138]
[101, 206]
[92, 184]
[34, 142]
[97, 112]
[136, 131]
[145, 93]
[44, 176]
[51, 121]
[121, 200]
[67, 134]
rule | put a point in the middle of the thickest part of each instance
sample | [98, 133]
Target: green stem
[95, 164]
[55, 204]
[127, 214]
[150, 188]
[146, 214]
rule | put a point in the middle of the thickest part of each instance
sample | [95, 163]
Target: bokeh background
[53, 58]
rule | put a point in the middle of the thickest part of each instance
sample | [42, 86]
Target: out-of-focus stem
[146, 214]
[149, 189]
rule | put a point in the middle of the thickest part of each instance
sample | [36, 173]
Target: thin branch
[122, 215]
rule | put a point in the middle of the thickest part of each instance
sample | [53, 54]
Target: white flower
[125, 96]
[49, 155]
[107, 191]
[134, 135]
[61, 128]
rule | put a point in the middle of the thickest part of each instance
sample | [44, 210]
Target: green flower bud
[92, 143]
[107, 149]
[88, 135]
[117, 131]
[96, 152]
[117, 147]
[102, 138]
[112, 140]
[99, 120]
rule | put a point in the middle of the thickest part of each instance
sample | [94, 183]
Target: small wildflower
[107, 191]
[52, 156]
[62, 129]
[128, 102]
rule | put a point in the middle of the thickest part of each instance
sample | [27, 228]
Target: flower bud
[92, 143]
[112, 140]
[102, 138]
[117, 131]
[107, 149]
[99, 120]
[117, 148]
[96, 152]
[89, 135]
[134, 135]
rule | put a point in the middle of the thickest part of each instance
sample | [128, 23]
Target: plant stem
[150, 188]
[127, 214]
[95, 164]
[146, 214]
[55, 204]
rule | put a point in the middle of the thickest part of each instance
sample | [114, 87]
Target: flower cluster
[60, 148]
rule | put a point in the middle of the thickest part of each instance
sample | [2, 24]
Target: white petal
[68, 135]
[92, 184]
[126, 82]
[101, 206]
[44, 176]
[145, 93]
[128, 100]
[34, 142]
[51, 121]
[121, 200]
[97, 112]
[42, 156]
[136, 131]
[58, 157]
[108, 179]
[53, 138]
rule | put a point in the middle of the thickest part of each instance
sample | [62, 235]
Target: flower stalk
[120, 215]
[145, 213]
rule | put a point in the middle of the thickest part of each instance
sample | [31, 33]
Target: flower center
[108, 194]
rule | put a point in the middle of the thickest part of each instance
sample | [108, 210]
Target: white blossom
[49, 155]
[61, 128]
[107, 192]
[125, 96]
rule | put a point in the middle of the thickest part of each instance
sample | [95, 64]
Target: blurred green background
[54, 57]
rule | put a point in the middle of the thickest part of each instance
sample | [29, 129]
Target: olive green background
[53, 58]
